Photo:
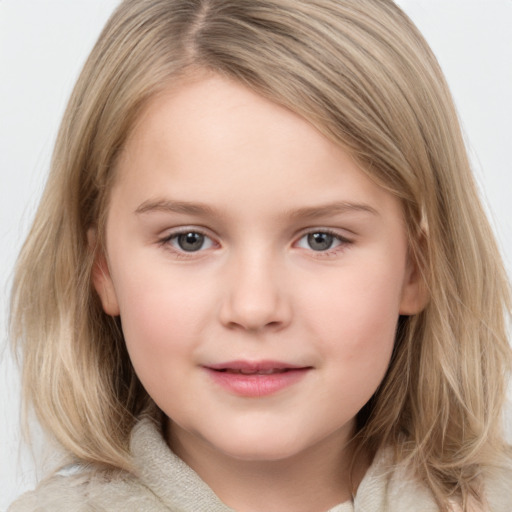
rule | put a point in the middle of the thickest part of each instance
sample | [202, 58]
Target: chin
[261, 447]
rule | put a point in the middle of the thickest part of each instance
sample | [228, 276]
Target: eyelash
[342, 245]
[182, 254]
[165, 242]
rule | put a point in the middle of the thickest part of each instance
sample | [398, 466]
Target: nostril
[254, 305]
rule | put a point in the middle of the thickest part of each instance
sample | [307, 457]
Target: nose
[255, 297]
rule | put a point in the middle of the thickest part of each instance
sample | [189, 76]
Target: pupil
[190, 242]
[320, 241]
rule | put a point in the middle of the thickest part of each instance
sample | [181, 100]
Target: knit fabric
[165, 483]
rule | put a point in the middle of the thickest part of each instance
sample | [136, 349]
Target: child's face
[240, 238]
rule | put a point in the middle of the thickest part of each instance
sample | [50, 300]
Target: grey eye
[320, 241]
[190, 242]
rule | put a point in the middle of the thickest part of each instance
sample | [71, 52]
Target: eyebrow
[201, 209]
[338, 207]
[167, 205]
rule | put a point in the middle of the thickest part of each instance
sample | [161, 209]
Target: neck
[317, 479]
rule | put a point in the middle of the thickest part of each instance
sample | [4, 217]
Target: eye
[189, 241]
[321, 241]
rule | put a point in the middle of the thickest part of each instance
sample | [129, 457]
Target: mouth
[255, 367]
[270, 371]
[256, 379]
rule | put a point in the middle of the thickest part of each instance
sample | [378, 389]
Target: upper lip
[254, 366]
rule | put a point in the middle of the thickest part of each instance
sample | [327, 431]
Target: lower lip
[257, 385]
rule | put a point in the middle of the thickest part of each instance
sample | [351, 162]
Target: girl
[260, 277]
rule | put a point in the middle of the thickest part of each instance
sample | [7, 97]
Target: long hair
[361, 73]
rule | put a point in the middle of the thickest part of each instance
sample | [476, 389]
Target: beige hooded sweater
[165, 483]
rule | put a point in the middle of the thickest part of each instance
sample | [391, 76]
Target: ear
[415, 294]
[101, 279]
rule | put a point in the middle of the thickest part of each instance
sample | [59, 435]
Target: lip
[256, 378]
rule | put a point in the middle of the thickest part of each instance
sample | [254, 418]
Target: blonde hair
[361, 73]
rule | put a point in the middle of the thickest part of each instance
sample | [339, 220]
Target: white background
[43, 44]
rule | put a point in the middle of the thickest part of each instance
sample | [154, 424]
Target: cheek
[161, 318]
[360, 301]
[356, 339]
[355, 323]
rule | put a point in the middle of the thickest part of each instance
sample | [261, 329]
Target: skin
[255, 290]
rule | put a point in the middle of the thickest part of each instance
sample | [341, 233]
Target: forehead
[214, 111]
[214, 140]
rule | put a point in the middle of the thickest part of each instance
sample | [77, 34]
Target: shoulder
[391, 486]
[56, 493]
[87, 491]
[498, 488]
[388, 486]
